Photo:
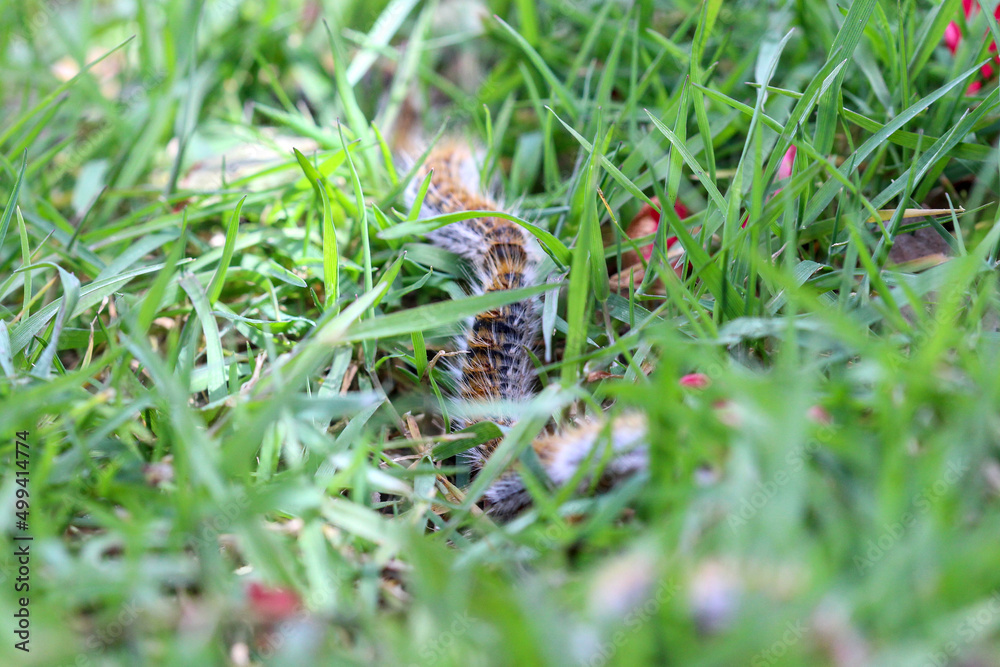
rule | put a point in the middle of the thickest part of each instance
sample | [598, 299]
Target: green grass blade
[219, 278]
[844, 45]
[825, 194]
[430, 317]
[8, 210]
[56, 92]
[214, 359]
[331, 254]
[67, 305]
[557, 87]
[90, 295]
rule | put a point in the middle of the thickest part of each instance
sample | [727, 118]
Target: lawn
[225, 403]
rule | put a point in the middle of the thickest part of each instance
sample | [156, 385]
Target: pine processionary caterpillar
[497, 364]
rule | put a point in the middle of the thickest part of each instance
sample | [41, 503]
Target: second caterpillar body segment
[497, 363]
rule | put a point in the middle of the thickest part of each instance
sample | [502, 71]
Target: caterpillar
[496, 363]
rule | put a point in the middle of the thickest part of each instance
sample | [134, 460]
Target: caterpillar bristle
[496, 366]
[497, 343]
[563, 453]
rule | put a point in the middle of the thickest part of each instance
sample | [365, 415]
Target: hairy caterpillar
[496, 364]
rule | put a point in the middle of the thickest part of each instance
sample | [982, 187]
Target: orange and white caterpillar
[497, 363]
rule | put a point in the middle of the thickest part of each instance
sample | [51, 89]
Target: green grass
[225, 370]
